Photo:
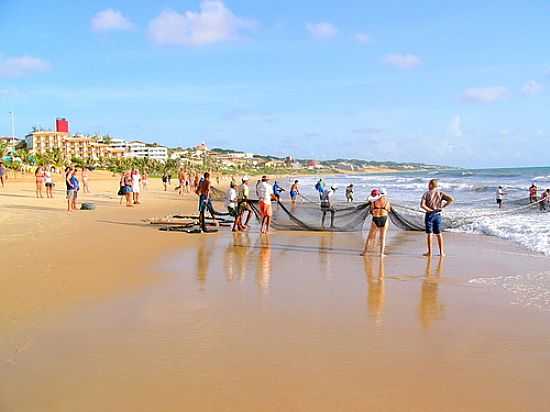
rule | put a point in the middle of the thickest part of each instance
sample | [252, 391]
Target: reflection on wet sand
[325, 246]
[376, 292]
[203, 259]
[263, 273]
[430, 308]
[241, 249]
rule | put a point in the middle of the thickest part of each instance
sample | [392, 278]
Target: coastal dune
[102, 311]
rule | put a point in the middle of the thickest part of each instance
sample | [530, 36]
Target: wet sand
[103, 312]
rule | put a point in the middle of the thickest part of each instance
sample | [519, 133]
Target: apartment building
[82, 147]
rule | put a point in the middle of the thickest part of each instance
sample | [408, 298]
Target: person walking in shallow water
[433, 202]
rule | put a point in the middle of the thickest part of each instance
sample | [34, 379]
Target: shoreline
[103, 311]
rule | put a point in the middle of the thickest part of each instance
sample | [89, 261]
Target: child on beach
[433, 202]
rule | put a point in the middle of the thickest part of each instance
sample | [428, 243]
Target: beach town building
[79, 146]
[140, 150]
[89, 147]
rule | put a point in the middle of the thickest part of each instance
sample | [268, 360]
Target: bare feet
[427, 254]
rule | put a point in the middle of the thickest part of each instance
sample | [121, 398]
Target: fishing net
[307, 215]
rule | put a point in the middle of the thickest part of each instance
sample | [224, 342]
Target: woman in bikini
[379, 207]
[39, 176]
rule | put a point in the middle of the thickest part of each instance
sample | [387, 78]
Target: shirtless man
[203, 190]
[433, 202]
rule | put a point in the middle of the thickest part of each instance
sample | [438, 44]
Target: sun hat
[375, 194]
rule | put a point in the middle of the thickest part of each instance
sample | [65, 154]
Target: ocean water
[474, 191]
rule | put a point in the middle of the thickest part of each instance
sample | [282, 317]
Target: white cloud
[362, 38]
[213, 23]
[22, 65]
[322, 30]
[403, 61]
[485, 94]
[455, 127]
[532, 88]
[109, 19]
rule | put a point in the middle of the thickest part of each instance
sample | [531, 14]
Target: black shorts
[499, 201]
[380, 221]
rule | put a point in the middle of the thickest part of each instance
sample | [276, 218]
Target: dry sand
[102, 312]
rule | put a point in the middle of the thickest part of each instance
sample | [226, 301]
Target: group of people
[44, 180]
[432, 203]
[543, 201]
[131, 185]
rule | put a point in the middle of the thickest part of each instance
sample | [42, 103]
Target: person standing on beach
[231, 205]
[244, 207]
[165, 181]
[39, 180]
[85, 174]
[277, 191]
[545, 200]
[48, 182]
[144, 180]
[379, 209]
[265, 193]
[69, 187]
[327, 206]
[136, 186]
[76, 185]
[181, 179]
[320, 187]
[127, 188]
[294, 191]
[433, 202]
[72, 184]
[2, 173]
[500, 196]
[203, 190]
[533, 190]
[349, 193]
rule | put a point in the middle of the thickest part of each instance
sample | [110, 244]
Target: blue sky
[458, 83]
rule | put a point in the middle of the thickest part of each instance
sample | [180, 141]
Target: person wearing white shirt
[231, 204]
[265, 194]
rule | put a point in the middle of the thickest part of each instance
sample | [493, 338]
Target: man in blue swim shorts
[433, 202]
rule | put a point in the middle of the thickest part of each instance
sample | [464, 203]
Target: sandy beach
[102, 311]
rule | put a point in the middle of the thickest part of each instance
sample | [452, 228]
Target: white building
[140, 150]
[157, 153]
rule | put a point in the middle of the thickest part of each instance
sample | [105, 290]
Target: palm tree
[3, 149]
